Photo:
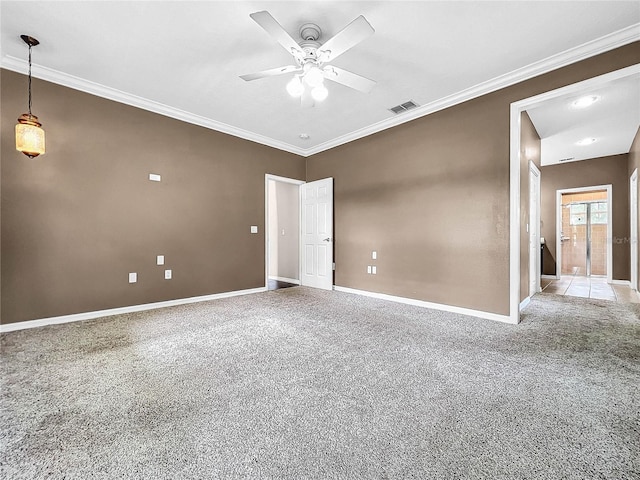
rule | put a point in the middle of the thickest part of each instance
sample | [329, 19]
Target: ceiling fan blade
[270, 73]
[349, 79]
[346, 38]
[273, 28]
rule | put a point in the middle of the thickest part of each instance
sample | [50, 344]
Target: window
[578, 213]
[599, 214]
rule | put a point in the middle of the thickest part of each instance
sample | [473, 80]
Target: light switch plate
[133, 277]
[374, 270]
[154, 177]
[254, 229]
[167, 274]
[374, 255]
[160, 260]
[368, 268]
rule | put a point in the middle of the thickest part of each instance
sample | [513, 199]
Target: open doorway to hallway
[282, 236]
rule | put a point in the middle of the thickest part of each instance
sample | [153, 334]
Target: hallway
[595, 287]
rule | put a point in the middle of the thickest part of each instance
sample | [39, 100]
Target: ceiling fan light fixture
[295, 87]
[314, 76]
[319, 93]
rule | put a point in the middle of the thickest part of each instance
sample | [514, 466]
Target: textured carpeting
[302, 383]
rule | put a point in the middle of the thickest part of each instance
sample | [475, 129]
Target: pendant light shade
[29, 134]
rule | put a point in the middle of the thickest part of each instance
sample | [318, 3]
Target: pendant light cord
[29, 80]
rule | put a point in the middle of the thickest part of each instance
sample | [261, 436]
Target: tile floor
[590, 287]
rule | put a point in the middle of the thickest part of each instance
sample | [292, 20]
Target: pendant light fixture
[29, 135]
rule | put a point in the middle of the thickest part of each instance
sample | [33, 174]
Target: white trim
[514, 169]
[435, 306]
[285, 279]
[87, 86]
[292, 181]
[549, 277]
[559, 194]
[277, 178]
[524, 303]
[514, 212]
[533, 170]
[633, 230]
[76, 317]
[624, 283]
[595, 47]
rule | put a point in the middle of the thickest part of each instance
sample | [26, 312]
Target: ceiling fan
[312, 58]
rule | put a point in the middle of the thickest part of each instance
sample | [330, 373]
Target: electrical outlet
[374, 255]
[160, 260]
[154, 177]
[254, 229]
[133, 277]
[167, 274]
[374, 270]
[368, 268]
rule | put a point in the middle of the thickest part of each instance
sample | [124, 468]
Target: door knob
[327, 240]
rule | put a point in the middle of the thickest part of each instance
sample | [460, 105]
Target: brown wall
[432, 197]
[598, 171]
[634, 163]
[78, 219]
[529, 152]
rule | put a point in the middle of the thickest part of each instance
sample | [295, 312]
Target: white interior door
[534, 229]
[316, 239]
[633, 198]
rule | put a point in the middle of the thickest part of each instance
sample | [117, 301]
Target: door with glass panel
[584, 235]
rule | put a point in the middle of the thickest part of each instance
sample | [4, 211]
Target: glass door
[584, 238]
[574, 239]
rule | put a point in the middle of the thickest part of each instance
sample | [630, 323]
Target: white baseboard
[524, 303]
[10, 327]
[285, 279]
[625, 283]
[436, 306]
[550, 277]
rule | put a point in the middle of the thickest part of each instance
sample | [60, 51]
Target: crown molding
[54, 76]
[573, 55]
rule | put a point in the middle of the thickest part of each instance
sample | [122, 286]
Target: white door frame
[633, 227]
[275, 178]
[514, 171]
[534, 233]
[559, 193]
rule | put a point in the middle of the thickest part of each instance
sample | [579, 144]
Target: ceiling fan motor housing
[310, 33]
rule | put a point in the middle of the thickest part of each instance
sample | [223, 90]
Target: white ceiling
[612, 121]
[183, 59]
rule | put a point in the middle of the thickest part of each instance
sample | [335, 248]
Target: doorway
[298, 233]
[584, 232]
[282, 232]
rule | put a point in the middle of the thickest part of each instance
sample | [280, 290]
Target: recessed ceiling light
[304, 136]
[586, 101]
[586, 141]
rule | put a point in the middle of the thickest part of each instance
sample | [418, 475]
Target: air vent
[404, 107]
[566, 159]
